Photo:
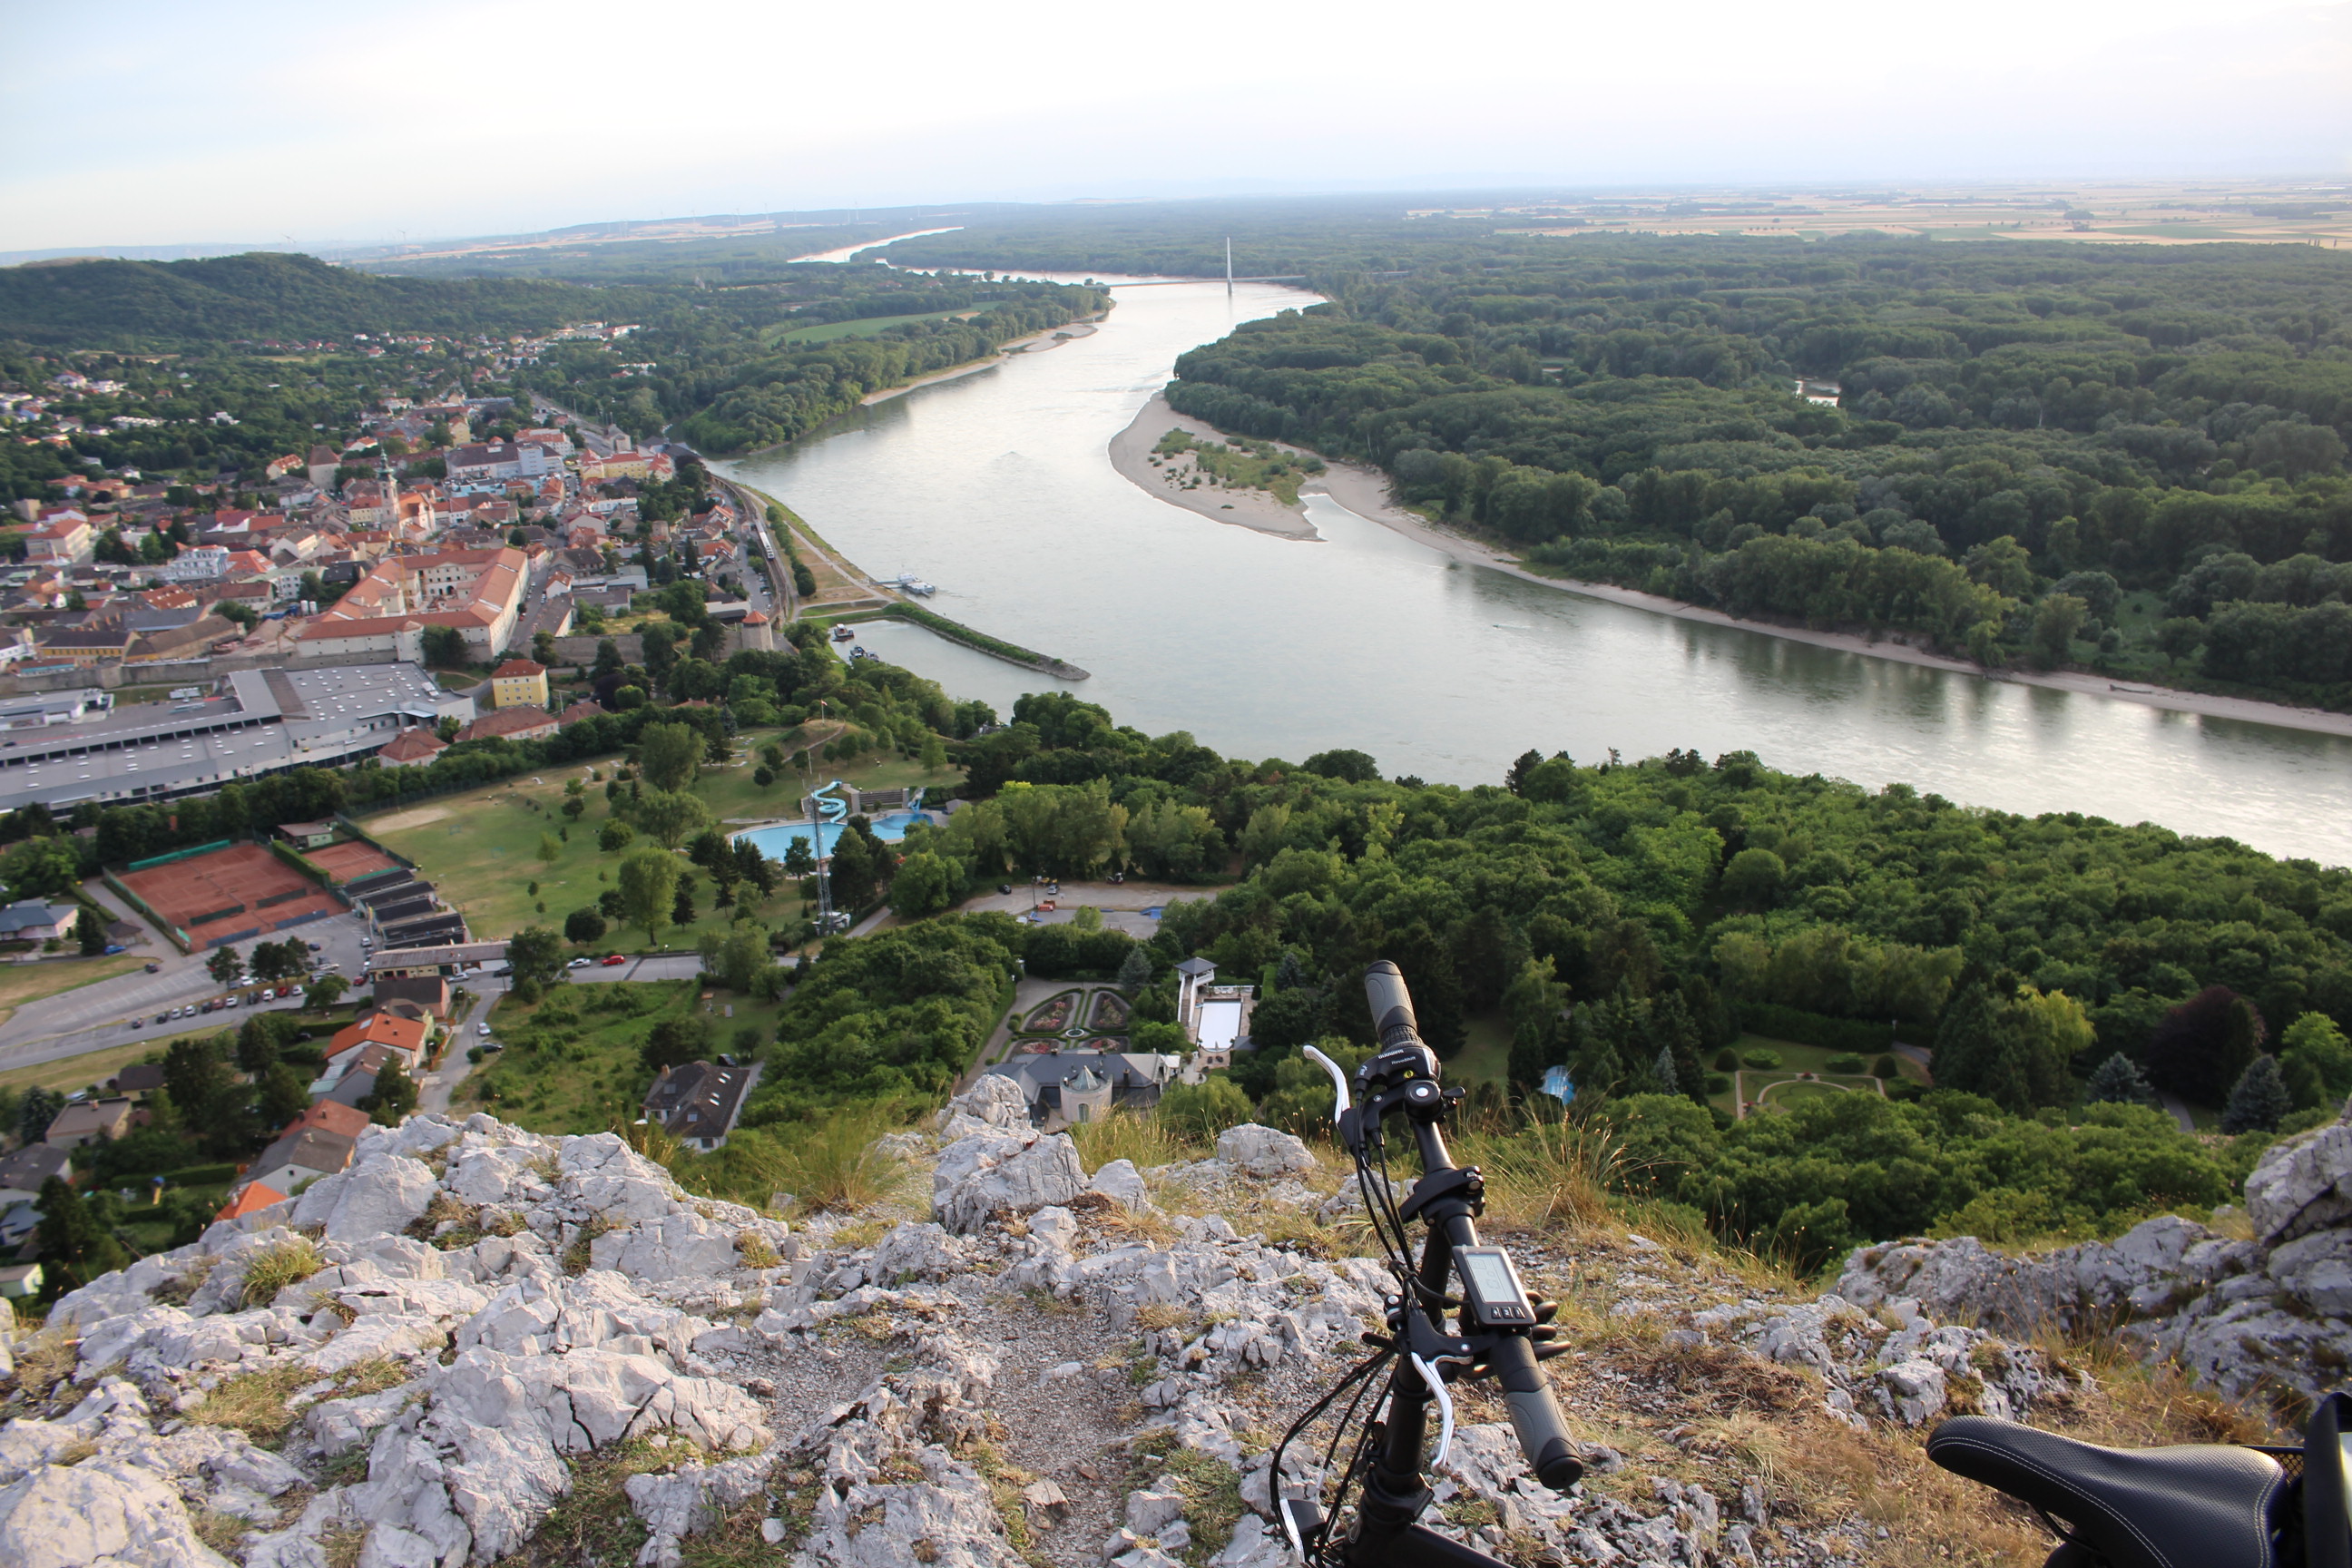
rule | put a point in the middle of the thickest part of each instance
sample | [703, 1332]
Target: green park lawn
[571, 1062]
[1781, 1086]
[482, 849]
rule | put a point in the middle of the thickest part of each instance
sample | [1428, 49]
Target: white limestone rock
[1263, 1152]
[377, 1198]
[1121, 1183]
[98, 1515]
[1005, 1176]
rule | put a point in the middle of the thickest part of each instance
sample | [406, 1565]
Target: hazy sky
[141, 122]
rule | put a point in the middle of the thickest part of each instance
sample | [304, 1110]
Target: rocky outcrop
[1052, 1365]
[2244, 1315]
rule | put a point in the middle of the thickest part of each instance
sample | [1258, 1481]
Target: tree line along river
[998, 486]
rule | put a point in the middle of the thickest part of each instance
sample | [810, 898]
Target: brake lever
[1444, 1406]
[1342, 1117]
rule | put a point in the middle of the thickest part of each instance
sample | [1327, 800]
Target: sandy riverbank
[1131, 454]
[1035, 343]
[1365, 492]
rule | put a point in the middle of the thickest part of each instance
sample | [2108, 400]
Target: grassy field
[571, 1062]
[482, 849]
[23, 983]
[93, 1068]
[1487, 1056]
[864, 327]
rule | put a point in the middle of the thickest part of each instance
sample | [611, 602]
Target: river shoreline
[1131, 454]
[1052, 337]
[1365, 492]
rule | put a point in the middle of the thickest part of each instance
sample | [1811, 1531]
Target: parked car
[483, 1029]
[1004, 887]
[611, 959]
[114, 947]
[316, 948]
[580, 964]
[138, 1023]
[154, 969]
[231, 1002]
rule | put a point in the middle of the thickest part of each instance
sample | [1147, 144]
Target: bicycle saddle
[2196, 1506]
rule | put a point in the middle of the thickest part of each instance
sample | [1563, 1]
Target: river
[998, 487]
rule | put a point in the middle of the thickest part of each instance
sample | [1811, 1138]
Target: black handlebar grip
[1392, 1005]
[1534, 1416]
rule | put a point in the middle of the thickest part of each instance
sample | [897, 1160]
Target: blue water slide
[829, 806]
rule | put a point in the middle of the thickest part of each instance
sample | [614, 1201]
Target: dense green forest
[2127, 460]
[725, 373]
[149, 304]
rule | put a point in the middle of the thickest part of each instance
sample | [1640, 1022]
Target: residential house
[139, 1079]
[88, 1120]
[328, 1116]
[697, 1103]
[32, 920]
[351, 1078]
[412, 748]
[428, 994]
[403, 1037]
[512, 724]
[323, 462]
[18, 1280]
[22, 1172]
[251, 1198]
[583, 709]
[300, 1158]
[518, 683]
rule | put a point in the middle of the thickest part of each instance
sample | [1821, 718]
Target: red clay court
[243, 890]
[350, 860]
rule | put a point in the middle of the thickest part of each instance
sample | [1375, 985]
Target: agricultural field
[483, 849]
[572, 1061]
[862, 327]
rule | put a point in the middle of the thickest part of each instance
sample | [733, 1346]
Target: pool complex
[776, 840]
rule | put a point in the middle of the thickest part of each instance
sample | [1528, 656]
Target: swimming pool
[776, 840]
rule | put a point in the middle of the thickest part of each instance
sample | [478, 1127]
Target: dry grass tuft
[274, 1268]
[755, 1251]
[1145, 1140]
[45, 1360]
[254, 1403]
[1541, 1173]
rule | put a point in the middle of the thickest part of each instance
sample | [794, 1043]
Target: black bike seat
[2196, 1506]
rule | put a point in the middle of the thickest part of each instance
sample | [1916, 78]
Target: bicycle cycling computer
[1491, 1289]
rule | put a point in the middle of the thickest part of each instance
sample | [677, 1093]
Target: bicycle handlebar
[1392, 1004]
[1534, 1416]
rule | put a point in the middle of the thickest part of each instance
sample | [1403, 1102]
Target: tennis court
[230, 894]
[350, 860]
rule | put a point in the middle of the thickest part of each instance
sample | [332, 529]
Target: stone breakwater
[1051, 1367]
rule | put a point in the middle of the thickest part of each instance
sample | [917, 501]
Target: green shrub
[1726, 1060]
[1886, 1067]
[1848, 1063]
[1718, 1083]
[1761, 1059]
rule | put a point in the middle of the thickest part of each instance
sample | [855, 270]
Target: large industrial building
[250, 723]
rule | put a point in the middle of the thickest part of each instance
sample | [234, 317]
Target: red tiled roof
[330, 1116]
[414, 744]
[253, 1197]
[518, 668]
[378, 1028]
[508, 723]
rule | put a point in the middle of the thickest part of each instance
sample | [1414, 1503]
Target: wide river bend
[998, 487]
